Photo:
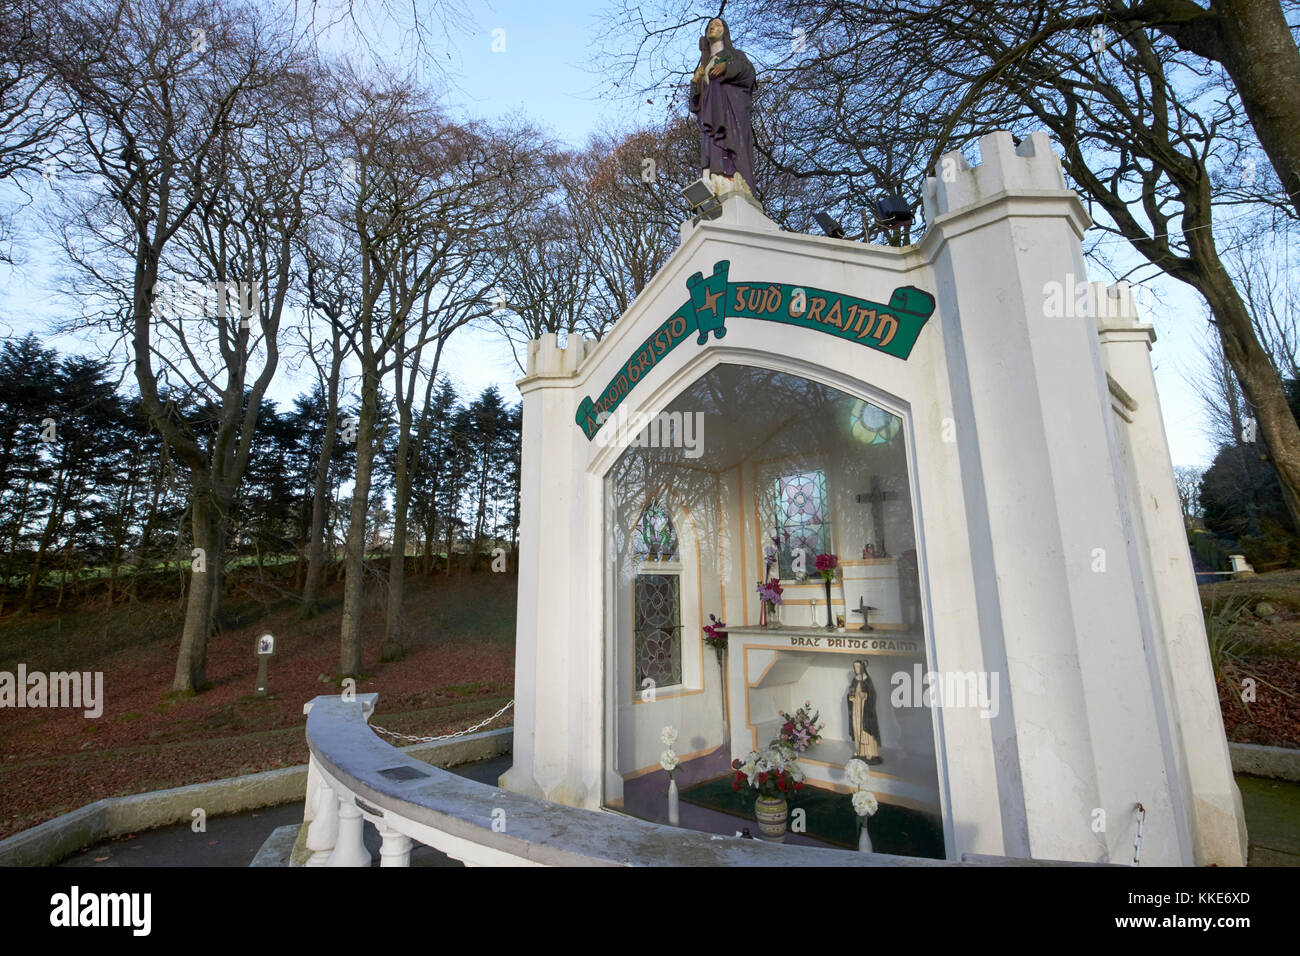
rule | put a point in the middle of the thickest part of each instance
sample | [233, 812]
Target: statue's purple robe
[723, 108]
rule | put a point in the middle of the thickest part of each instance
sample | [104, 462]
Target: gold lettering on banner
[740, 298]
[893, 329]
[755, 300]
[870, 316]
[772, 299]
[834, 317]
[678, 328]
[815, 309]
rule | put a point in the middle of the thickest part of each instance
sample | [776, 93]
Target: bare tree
[624, 192]
[1188, 481]
[189, 180]
[1226, 414]
[1261, 270]
[461, 236]
[329, 263]
[31, 113]
[425, 189]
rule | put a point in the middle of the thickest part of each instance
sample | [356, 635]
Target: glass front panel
[762, 465]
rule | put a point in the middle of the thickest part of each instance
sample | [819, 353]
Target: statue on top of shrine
[722, 93]
[863, 725]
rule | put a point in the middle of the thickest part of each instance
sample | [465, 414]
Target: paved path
[235, 840]
[1272, 818]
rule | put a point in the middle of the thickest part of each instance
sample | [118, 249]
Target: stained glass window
[657, 606]
[656, 601]
[655, 538]
[872, 425]
[801, 520]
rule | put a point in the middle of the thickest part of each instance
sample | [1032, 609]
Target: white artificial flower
[669, 736]
[668, 760]
[859, 773]
[864, 803]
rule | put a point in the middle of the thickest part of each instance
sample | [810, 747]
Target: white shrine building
[974, 431]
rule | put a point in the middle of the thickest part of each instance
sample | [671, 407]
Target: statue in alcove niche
[863, 724]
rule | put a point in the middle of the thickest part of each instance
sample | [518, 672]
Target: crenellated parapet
[547, 358]
[1031, 167]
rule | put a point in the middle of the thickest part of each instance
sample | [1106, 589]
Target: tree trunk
[354, 558]
[52, 523]
[112, 572]
[1259, 381]
[1260, 55]
[1230, 392]
[428, 562]
[393, 650]
[321, 498]
[191, 662]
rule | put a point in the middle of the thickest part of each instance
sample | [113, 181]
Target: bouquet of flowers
[864, 801]
[770, 555]
[669, 759]
[770, 593]
[773, 772]
[801, 730]
[826, 565]
[715, 634]
[859, 773]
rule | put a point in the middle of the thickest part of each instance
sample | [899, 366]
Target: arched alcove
[743, 458]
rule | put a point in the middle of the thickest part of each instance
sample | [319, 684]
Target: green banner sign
[891, 328]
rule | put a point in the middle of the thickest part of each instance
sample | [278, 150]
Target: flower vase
[830, 611]
[771, 814]
[864, 838]
[762, 614]
[673, 819]
[773, 615]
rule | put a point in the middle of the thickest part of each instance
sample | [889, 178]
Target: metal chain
[1137, 841]
[459, 733]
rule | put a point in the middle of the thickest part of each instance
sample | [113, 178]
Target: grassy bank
[459, 668]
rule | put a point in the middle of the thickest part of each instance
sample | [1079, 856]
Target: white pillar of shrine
[557, 643]
[1085, 731]
[1196, 728]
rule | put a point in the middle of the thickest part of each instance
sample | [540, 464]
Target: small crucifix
[864, 609]
[876, 497]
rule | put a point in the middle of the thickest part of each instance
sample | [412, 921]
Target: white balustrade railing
[355, 776]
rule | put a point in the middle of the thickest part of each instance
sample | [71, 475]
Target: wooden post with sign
[265, 648]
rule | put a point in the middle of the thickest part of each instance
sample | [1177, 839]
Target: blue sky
[547, 72]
